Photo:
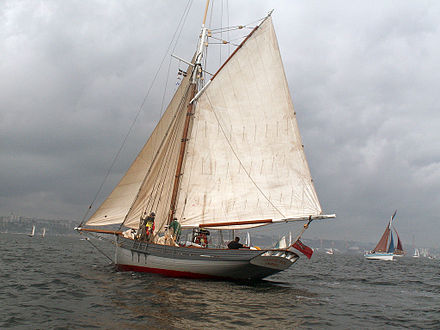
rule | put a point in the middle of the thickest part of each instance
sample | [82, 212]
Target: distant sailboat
[43, 233]
[33, 232]
[416, 253]
[329, 251]
[383, 250]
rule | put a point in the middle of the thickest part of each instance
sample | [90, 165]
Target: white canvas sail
[245, 159]
[151, 172]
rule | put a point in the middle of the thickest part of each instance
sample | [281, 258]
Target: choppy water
[59, 282]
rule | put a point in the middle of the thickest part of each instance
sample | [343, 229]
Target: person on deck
[235, 244]
[175, 229]
[149, 226]
[202, 238]
[146, 227]
[141, 231]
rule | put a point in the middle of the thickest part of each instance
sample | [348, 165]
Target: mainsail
[382, 246]
[244, 159]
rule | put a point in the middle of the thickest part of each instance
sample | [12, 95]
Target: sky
[364, 78]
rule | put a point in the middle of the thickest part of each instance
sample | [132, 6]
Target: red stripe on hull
[165, 272]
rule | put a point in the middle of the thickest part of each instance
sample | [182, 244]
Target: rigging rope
[137, 114]
[221, 33]
[102, 252]
[175, 45]
[227, 22]
[169, 152]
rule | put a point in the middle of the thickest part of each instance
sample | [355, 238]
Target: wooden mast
[192, 91]
[206, 12]
[178, 174]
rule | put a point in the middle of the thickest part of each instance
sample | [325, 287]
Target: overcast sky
[364, 76]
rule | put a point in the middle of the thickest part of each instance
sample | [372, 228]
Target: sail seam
[239, 160]
[160, 184]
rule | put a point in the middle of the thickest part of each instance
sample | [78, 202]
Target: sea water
[64, 282]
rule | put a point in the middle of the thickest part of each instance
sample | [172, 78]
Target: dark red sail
[399, 247]
[382, 246]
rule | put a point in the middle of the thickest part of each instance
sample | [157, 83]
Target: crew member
[149, 226]
[146, 226]
[235, 244]
[175, 229]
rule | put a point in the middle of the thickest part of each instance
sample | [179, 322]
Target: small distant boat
[383, 250]
[33, 232]
[416, 253]
[329, 251]
[43, 233]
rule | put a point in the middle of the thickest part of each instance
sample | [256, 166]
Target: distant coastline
[13, 224]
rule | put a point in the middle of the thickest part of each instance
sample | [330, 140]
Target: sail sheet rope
[239, 160]
[124, 141]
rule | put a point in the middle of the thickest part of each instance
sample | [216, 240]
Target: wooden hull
[191, 262]
[379, 256]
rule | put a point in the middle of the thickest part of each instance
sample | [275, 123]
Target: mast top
[206, 12]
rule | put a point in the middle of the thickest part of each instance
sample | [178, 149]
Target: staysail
[245, 159]
[391, 246]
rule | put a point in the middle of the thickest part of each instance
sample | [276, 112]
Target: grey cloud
[364, 80]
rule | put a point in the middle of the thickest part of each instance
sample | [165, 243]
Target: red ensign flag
[304, 249]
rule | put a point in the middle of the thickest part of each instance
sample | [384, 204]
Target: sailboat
[32, 232]
[416, 253]
[383, 249]
[226, 155]
[43, 233]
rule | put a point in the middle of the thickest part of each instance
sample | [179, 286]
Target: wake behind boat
[226, 155]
